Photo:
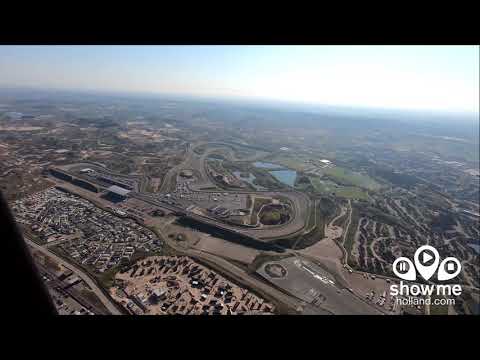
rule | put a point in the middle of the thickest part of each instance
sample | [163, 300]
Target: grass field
[349, 192]
[322, 186]
[326, 210]
[258, 203]
[349, 178]
[291, 162]
[106, 278]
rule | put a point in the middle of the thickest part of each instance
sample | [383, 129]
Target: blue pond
[249, 180]
[285, 176]
[266, 165]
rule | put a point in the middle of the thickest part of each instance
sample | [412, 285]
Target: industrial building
[116, 194]
[187, 174]
[111, 181]
[78, 182]
[61, 175]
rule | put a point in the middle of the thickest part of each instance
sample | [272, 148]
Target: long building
[111, 181]
[116, 194]
[76, 181]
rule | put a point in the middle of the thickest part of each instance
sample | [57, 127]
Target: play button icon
[426, 261]
[426, 257]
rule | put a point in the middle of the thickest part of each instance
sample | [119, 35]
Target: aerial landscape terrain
[170, 205]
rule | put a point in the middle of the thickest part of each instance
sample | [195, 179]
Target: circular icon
[449, 268]
[427, 257]
[404, 269]
[426, 260]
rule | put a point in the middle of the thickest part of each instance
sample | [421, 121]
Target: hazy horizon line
[246, 100]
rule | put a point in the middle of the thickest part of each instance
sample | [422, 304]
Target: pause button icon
[403, 266]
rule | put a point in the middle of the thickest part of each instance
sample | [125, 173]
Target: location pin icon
[404, 269]
[449, 268]
[426, 261]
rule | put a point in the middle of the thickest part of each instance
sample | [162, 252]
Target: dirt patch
[226, 249]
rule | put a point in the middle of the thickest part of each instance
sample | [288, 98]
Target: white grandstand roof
[118, 190]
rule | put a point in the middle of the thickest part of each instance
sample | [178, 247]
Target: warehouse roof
[118, 190]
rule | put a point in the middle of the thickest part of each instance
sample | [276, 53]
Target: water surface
[285, 176]
[266, 165]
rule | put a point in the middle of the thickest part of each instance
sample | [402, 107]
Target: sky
[439, 78]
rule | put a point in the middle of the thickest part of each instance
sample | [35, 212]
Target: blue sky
[444, 78]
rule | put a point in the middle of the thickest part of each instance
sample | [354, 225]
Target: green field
[349, 192]
[337, 174]
[466, 150]
[350, 178]
[258, 203]
[326, 210]
[338, 180]
[293, 163]
[322, 186]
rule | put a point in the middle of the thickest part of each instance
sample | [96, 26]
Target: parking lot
[314, 285]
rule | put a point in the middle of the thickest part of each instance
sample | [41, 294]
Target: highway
[81, 274]
[342, 302]
[301, 203]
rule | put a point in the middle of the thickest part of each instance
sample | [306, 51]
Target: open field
[350, 192]
[329, 187]
[288, 161]
[325, 210]
[347, 177]
[226, 249]
[258, 202]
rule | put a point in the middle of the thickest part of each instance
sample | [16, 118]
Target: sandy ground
[226, 249]
[327, 248]
[209, 244]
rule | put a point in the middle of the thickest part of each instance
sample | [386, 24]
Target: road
[81, 274]
[240, 275]
[301, 204]
[174, 170]
[347, 226]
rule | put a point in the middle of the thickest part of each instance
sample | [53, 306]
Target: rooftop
[118, 190]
